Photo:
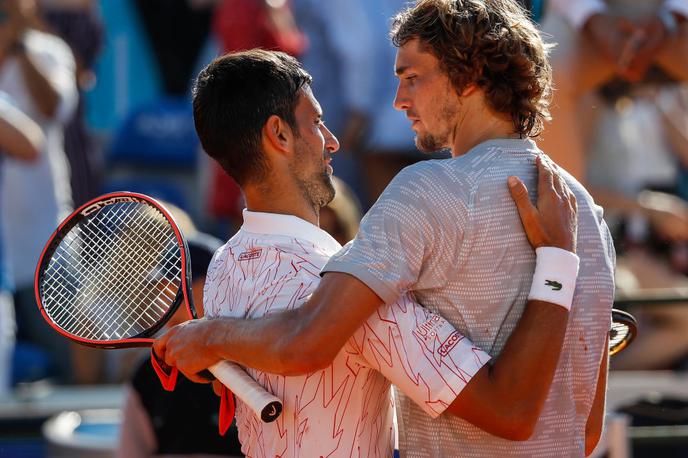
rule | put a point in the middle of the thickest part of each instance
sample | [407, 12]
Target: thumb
[160, 348]
[519, 193]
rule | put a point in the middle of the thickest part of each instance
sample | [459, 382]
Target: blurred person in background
[22, 139]
[239, 25]
[37, 70]
[339, 58]
[598, 41]
[177, 31]
[79, 24]
[619, 124]
[635, 165]
[342, 216]
[183, 422]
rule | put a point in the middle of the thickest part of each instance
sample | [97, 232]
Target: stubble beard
[432, 142]
[317, 188]
[429, 143]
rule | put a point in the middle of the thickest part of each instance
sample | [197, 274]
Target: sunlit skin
[313, 148]
[299, 160]
[440, 116]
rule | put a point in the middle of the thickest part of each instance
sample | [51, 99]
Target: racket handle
[267, 406]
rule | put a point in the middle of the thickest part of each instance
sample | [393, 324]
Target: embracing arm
[507, 397]
[504, 398]
[292, 342]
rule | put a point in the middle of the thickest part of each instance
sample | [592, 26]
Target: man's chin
[428, 146]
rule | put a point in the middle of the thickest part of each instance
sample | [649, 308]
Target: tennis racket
[623, 331]
[114, 272]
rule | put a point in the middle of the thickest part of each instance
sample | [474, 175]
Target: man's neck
[477, 127]
[280, 200]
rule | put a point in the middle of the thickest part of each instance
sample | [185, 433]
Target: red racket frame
[140, 340]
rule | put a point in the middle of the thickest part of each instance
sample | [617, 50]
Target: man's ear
[278, 135]
[468, 90]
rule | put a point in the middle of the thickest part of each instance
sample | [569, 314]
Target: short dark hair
[490, 43]
[234, 96]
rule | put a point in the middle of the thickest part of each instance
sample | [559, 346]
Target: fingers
[545, 176]
[529, 214]
[160, 347]
[519, 193]
[196, 378]
[559, 183]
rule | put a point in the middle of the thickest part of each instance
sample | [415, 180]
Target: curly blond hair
[490, 43]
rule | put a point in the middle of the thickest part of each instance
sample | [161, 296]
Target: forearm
[506, 398]
[299, 340]
[44, 95]
[577, 12]
[20, 136]
[268, 344]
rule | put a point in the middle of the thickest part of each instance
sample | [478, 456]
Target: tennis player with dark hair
[272, 140]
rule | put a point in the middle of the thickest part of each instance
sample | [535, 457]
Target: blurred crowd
[94, 97]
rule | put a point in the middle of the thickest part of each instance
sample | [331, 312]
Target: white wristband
[554, 280]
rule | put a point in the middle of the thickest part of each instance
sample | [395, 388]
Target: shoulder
[429, 181]
[583, 197]
[255, 254]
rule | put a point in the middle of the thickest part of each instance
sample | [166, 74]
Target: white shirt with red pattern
[273, 263]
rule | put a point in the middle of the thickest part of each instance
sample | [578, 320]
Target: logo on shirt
[449, 343]
[555, 285]
[252, 254]
[430, 328]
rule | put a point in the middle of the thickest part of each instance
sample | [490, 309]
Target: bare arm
[20, 18]
[43, 93]
[507, 397]
[504, 399]
[19, 135]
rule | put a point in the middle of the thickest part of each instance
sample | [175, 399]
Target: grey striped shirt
[448, 231]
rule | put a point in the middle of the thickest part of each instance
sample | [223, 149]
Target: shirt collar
[288, 226]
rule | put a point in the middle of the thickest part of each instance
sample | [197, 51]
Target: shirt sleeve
[404, 232]
[577, 12]
[419, 352]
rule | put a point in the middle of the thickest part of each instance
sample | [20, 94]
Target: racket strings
[123, 264]
[618, 335]
[132, 287]
[97, 264]
[118, 289]
[115, 274]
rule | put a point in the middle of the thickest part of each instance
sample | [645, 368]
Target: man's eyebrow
[401, 69]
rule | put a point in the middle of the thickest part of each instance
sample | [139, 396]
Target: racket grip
[267, 406]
